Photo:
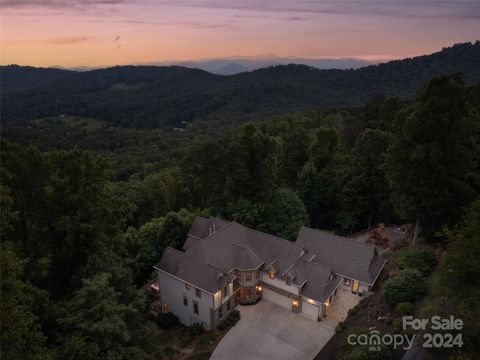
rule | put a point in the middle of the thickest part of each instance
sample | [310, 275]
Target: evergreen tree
[21, 336]
[366, 189]
[259, 160]
[95, 322]
[431, 154]
[319, 182]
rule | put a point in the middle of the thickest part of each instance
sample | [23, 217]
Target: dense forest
[80, 230]
[147, 97]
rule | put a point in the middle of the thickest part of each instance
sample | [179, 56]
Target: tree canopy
[81, 229]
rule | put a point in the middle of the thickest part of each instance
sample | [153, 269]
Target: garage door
[310, 310]
[277, 298]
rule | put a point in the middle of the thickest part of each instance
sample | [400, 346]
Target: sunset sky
[109, 32]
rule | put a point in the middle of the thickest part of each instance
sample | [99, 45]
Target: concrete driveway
[269, 331]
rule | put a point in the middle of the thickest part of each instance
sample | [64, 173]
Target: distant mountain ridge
[15, 78]
[152, 96]
[235, 65]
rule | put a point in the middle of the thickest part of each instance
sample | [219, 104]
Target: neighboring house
[224, 264]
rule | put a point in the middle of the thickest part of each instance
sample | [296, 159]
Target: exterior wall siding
[219, 298]
[216, 319]
[172, 292]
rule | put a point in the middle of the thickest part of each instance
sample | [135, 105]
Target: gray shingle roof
[210, 256]
[263, 248]
[191, 267]
[191, 241]
[345, 256]
[202, 227]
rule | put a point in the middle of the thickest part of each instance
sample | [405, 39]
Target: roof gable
[311, 262]
[203, 227]
[345, 256]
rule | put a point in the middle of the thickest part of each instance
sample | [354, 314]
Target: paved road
[269, 331]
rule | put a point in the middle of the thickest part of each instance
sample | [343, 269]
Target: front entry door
[355, 286]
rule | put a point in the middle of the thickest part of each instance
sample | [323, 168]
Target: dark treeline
[80, 234]
[148, 97]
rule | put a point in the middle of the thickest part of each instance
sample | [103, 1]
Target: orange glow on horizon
[117, 32]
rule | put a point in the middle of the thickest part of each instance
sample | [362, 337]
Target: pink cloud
[66, 40]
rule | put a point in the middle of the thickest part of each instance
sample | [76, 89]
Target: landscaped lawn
[182, 343]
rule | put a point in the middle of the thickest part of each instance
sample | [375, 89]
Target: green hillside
[152, 97]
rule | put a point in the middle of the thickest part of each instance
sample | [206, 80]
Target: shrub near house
[404, 308]
[407, 285]
[417, 258]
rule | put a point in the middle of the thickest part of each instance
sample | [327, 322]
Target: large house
[225, 264]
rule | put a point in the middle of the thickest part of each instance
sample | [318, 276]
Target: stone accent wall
[280, 291]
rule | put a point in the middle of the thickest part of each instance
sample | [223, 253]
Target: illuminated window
[165, 308]
[187, 286]
[271, 274]
[248, 294]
